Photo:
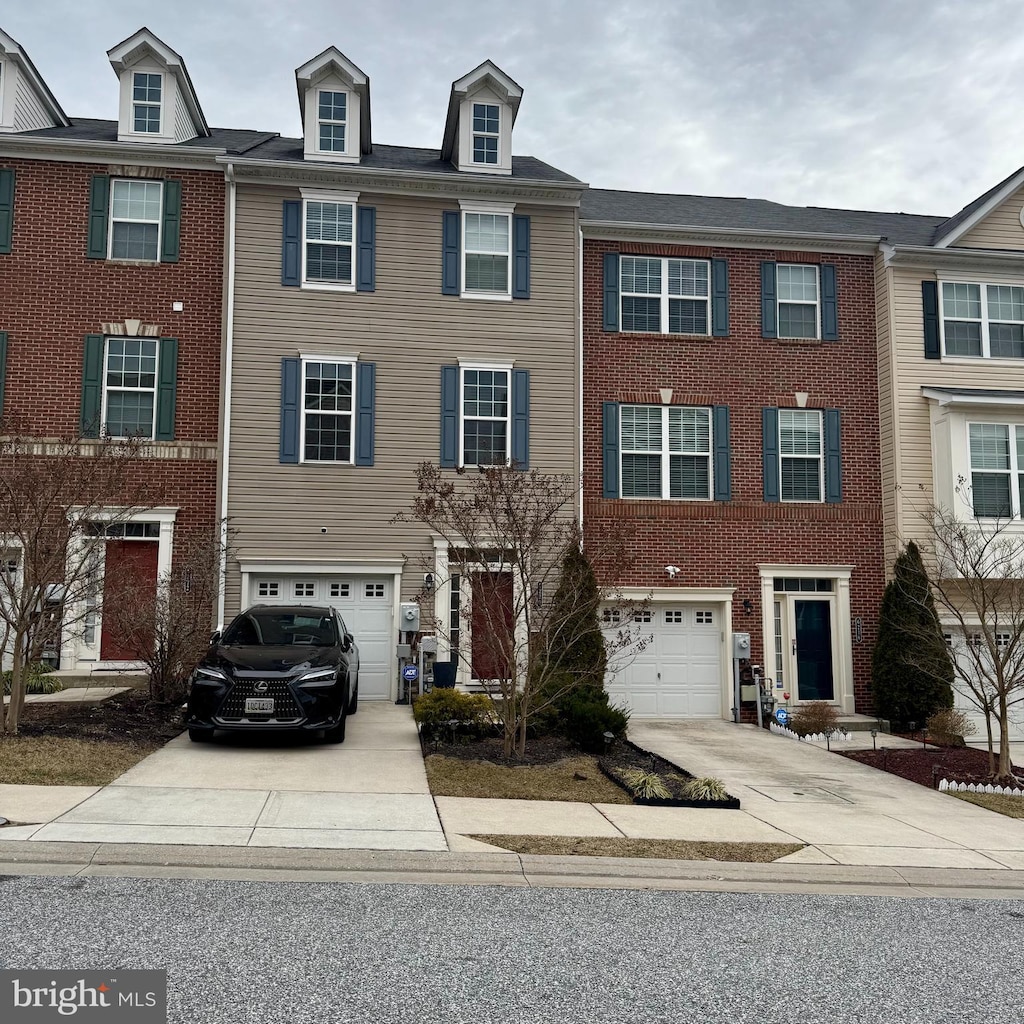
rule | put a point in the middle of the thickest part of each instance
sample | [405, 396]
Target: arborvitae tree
[911, 671]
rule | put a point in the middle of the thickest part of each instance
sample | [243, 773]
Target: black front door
[814, 650]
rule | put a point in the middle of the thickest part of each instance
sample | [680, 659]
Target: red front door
[129, 576]
[491, 624]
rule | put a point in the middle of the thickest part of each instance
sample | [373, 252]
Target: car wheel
[353, 704]
[336, 734]
[200, 735]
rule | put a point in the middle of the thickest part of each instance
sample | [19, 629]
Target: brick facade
[718, 544]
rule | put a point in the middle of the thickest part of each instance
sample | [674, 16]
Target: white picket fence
[814, 737]
[945, 786]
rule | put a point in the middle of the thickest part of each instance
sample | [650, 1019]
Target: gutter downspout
[229, 344]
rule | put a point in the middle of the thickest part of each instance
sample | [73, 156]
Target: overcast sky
[909, 105]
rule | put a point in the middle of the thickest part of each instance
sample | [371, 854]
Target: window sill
[132, 263]
[987, 360]
[806, 342]
[658, 335]
[487, 296]
[326, 286]
[322, 462]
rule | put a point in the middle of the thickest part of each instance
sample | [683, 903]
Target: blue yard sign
[410, 673]
[781, 716]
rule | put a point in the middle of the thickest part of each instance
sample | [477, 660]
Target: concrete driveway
[846, 812]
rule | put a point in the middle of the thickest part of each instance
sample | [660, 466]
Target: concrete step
[84, 677]
[863, 723]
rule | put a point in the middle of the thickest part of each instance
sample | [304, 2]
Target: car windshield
[281, 629]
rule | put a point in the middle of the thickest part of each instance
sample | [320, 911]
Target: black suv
[277, 667]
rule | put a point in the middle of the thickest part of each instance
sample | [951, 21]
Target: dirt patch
[662, 849]
[576, 778]
[1011, 806]
[927, 767]
[539, 750]
[66, 761]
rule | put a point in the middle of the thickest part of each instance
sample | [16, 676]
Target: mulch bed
[539, 750]
[131, 716]
[927, 767]
[625, 755]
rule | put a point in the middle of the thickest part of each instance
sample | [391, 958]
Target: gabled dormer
[157, 102]
[481, 112]
[25, 101]
[334, 97]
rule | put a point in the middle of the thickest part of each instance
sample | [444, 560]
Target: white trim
[474, 135]
[336, 199]
[984, 321]
[1012, 472]
[490, 419]
[483, 206]
[664, 297]
[345, 122]
[944, 399]
[799, 302]
[992, 203]
[326, 195]
[161, 105]
[105, 388]
[336, 361]
[464, 291]
[666, 453]
[127, 220]
[821, 457]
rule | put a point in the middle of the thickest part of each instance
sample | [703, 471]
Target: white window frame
[664, 296]
[821, 457]
[505, 368]
[779, 302]
[487, 209]
[984, 320]
[666, 453]
[127, 220]
[148, 103]
[320, 121]
[105, 389]
[474, 135]
[338, 199]
[336, 361]
[1014, 472]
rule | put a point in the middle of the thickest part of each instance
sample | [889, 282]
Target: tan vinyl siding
[409, 330]
[1001, 229]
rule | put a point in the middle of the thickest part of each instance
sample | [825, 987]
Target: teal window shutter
[720, 298]
[291, 385]
[610, 449]
[451, 256]
[770, 450]
[6, 211]
[99, 208]
[291, 242]
[722, 453]
[611, 292]
[92, 386]
[449, 417]
[520, 257]
[366, 249]
[769, 302]
[930, 302]
[171, 237]
[520, 419]
[3, 368]
[833, 459]
[166, 389]
[829, 304]
[366, 412]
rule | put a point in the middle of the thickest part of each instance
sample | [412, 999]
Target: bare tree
[58, 499]
[507, 533]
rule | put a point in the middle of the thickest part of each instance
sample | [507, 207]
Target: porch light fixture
[748, 606]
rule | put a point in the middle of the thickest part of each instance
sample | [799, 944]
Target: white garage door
[678, 674]
[962, 702]
[365, 605]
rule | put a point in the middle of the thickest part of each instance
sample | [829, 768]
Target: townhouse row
[765, 397]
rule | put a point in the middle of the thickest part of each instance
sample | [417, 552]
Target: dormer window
[334, 96]
[147, 93]
[333, 120]
[486, 122]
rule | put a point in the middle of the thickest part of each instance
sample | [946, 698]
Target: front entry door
[812, 625]
[491, 625]
[130, 577]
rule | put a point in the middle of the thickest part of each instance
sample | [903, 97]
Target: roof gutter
[86, 151]
[932, 257]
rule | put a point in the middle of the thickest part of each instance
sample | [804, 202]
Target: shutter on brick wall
[450, 254]
[172, 222]
[722, 454]
[291, 242]
[520, 257]
[99, 208]
[449, 417]
[611, 291]
[829, 304]
[92, 386]
[833, 460]
[166, 389]
[3, 368]
[6, 211]
[770, 450]
[769, 304]
[521, 419]
[366, 412]
[930, 302]
[610, 449]
[720, 298]
[291, 385]
[366, 255]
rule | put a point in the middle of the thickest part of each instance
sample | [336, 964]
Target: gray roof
[753, 215]
[85, 129]
[958, 218]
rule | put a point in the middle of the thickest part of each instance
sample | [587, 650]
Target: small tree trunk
[17, 686]
[991, 744]
[1004, 739]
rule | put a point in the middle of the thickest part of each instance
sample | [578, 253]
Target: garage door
[679, 673]
[1016, 714]
[365, 605]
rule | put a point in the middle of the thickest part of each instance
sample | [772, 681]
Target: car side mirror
[347, 641]
[215, 638]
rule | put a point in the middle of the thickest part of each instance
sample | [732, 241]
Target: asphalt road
[273, 952]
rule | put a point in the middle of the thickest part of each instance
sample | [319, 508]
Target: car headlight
[209, 675]
[318, 677]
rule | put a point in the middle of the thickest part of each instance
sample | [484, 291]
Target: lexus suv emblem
[261, 687]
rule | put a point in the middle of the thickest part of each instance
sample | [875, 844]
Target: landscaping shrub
[949, 726]
[37, 680]
[817, 716]
[584, 722]
[435, 711]
[705, 789]
[646, 785]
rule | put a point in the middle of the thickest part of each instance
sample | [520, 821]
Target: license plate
[259, 705]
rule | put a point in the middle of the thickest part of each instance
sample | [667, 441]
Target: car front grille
[286, 708]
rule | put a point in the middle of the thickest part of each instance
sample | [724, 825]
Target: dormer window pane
[135, 220]
[487, 252]
[329, 242]
[146, 96]
[333, 116]
[486, 120]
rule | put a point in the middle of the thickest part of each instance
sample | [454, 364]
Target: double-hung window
[328, 399]
[328, 233]
[997, 469]
[135, 214]
[798, 298]
[801, 455]
[332, 110]
[485, 417]
[665, 452]
[661, 295]
[486, 123]
[487, 253]
[147, 99]
[983, 320]
[129, 387]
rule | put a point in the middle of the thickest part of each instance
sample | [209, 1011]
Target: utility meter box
[409, 617]
[428, 645]
[741, 645]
